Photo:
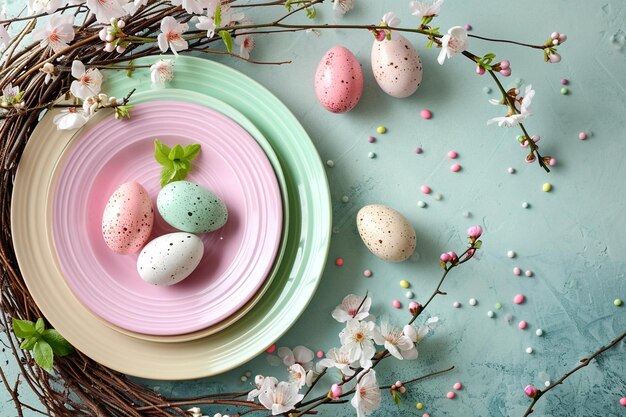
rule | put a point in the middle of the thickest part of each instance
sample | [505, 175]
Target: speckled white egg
[339, 80]
[386, 232]
[169, 259]
[396, 65]
[127, 219]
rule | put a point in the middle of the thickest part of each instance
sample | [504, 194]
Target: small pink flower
[453, 256]
[414, 307]
[505, 64]
[380, 35]
[531, 391]
[554, 58]
[444, 257]
[474, 232]
[480, 70]
[505, 72]
[336, 391]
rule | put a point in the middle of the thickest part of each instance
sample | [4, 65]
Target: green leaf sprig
[175, 162]
[44, 343]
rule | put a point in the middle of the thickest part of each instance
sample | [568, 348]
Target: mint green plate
[297, 275]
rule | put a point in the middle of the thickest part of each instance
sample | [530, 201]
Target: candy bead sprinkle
[490, 314]
[371, 155]
[450, 395]
[438, 196]
[510, 254]
[547, 383]
[339, 261]
[381, 129]
[564, 81]
[371, 139]
[466, 213]
[511, 170]
[529, 350]
[522, 324]
[622, 401]
[367, 273]
[455, 168]
[539, 332]
[452, 155]
[547, 187]
[472, 301]
[582, 136]
[319, 354]
[426, 114]
[405, 284]
[271, 349]
[419, 150]
[421, 204]
[517, 271]
[456, 304]
[564, 91]
[525, 205]
[396, 304]
[345, 199]
[425, 189]
[519, 299]
[529, 273]
[617, 302]
[498, 306]
[330, 163]
[409, 294]
[419, 406]
[457, 386]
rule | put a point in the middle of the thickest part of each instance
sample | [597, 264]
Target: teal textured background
[572, 238]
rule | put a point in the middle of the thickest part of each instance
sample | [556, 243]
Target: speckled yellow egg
[127, 219]
[396, 65]
[386, 232]
[339, 80]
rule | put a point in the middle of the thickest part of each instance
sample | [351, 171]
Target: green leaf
[131, 68]
[123, 112]
[161, 153]
[28, 344]
[59, 345]
[288, 5]
[228, 40]
[430, 44]
[44, 355]
[478, 244]
[177, 152]
[217, 18]
[191, 151]
[166, 175]
[23, 328]
[311, 12]
[40, 326]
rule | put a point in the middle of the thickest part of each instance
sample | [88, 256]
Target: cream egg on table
[386, 232]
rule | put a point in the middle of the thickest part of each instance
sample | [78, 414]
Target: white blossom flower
[422, 9]
[297, 375]
[70, 119]
[526, 99]
[50, 71]
[399, 345]
[171, 36]
[134, 6]
[522, 106]
[39, 6]
[105, 10]
[508, 121]
[300, 355]
[10, 94]
[337, 358]
[453, 43]
[390, 19]
[343, 6]
[206, 23]
[262, 384]
[349, 308]
[88, 82]
[417, 334]
[5, 38]
[367, 396]
[310, 377]
[246, 44]
[57, 32]
[281, 398]
[162, 71]
[192, 6]
[357, 339]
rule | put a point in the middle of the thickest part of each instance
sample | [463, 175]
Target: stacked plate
[258, 272]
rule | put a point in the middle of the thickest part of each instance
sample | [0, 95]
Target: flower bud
[480, 70]
[562, 38]
[444, 257]
[380, 35]
[530, 158]
[336, 391]
[258, 380]
[505, 72]
[109, 38]
[505, 64]
[531, 391]
[554, 58]
[398, 384]
[554, 35]
[103, 34]
[120, 49]
[108, 47]
[415, 308]
[453, 256]
[535, 138]
[555, 42]
[121, 24]
[402, 390]
[474, 232]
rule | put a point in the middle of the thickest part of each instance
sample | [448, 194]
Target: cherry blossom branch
[583, 362]
[484, 38]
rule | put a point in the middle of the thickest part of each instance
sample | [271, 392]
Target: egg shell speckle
[386, 232]
[397, 66]
[169, 259]
[191, 208]
[127, 219]
[339, 80]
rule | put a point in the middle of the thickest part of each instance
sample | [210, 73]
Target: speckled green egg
[191, 208]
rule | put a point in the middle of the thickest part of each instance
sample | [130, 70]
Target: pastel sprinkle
[405, 284]
[525, 205]
[472, 301]
[617, 302]
[409, 294]
[243, 378]
[519, 299]
[547, 187]
[452, 155]
[450, 395]
[421, 204]
[456, 304]
[511, 170]
[455, 168]
[582, 136]
[425, 415]
[622, 401]
[371, 155]
[490, 314]
[419, 406]
[564, 81]
[248, 374]
[529, 273]
[271, 349]
[345, 199]
[319, 354]
[517, 271]
[425, 189]
[510, 254]
[564, 91]
[330, 163]
[487, 90]
[419, 150]
[552, 162]
[426, 114]
[522, 324]
[371, 139]
[498, 306]
[466, 213]
[539, 332]
[468, 27]
[547, 383]
[457, 386]
[396, 304]
[529, 350]
[381, 129]
[339, 261]
[367, 273]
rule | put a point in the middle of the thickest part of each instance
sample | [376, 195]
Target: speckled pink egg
[396, 65]
[339, 80]
[127, 219]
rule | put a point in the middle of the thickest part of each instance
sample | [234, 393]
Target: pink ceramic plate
[237, 257]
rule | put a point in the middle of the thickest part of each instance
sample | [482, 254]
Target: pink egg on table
[127, 219]
[339, 80]
[396, 65]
